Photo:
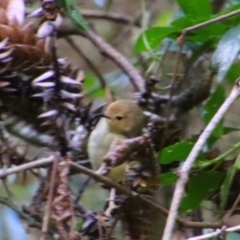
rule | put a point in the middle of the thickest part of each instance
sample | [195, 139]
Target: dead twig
[47, 212]
[34, 164]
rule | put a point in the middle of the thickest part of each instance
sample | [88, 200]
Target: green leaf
[198, 188]
[168, 178]
[151, 38]
[71, 10]
[176, 152]
[197, 9]
[213, 31]
[163, 19]
[211, 107]
[90, 82]
[99, 93]
[78, 19]
[224, 191]
[226, 52]
[92, 86]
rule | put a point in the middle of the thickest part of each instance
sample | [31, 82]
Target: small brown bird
[122, 119]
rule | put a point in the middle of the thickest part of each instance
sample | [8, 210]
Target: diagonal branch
[45, 161]
[107, 50]
[186, 167]
[26, 166]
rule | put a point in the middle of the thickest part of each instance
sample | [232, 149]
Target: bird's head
[125, 117]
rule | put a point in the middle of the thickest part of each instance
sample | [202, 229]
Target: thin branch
[233, 208]
[26, 166]
[107, 181]
[112, 16]
[186, 167]
[47, 212]
[106, 49]
[216, 233]
[204, 24]
[130, 193]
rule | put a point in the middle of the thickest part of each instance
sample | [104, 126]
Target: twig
[171, 92]
[216, 233]
[110, 232]
[106, 49]
[209, 22]
[107, 181]
[130, 193]
[26, 166]
[81, 190]
[47, 212]
[7, 190]
[186, 167]
[112, 16]
[233, 208]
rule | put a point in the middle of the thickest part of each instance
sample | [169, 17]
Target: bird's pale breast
[98, 145]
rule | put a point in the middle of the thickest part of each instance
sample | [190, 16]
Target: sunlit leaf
[163, 19]
[90, 82]
[227, 51]
[151, 38]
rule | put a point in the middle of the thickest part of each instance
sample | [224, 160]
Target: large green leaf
[197, 9]
[151, 38]
[224, 192]
[176, 152]
[226, 52]
[198, 188]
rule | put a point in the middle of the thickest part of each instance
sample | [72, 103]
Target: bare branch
[186, 167]
[204, 24]
[107, 181]
[130, 193]
[47, 212]
[26, 166]
[107, 50]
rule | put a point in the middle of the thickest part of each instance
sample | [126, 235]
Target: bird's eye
[119, 118]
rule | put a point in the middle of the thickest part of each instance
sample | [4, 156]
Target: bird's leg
[111, 204]
[102, 170]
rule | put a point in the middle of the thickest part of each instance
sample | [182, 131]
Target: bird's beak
[99, 115]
